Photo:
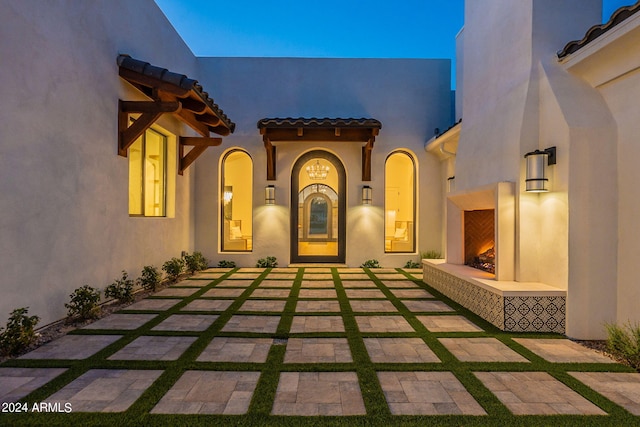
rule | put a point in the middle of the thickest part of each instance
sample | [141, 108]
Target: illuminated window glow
[147, 175]
[399, 203]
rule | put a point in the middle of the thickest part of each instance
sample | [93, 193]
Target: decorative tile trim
[513, 314]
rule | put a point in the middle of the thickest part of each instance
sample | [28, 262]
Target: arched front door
[318, 202]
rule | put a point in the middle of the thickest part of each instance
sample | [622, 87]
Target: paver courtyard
[334, 343]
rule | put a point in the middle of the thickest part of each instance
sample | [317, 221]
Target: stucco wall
[63, 188]
[409, 97]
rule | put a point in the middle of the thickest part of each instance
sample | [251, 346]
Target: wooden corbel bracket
[149, 112]
[199, 145]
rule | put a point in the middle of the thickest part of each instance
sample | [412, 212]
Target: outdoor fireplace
[479, 239]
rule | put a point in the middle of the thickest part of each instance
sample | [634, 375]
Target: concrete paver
[247, 323]
[208, 305]
[305, 324]
[186, 322]
[399, 350]
[427, 393]
[318, 393]
[209, 392]
[153, 304]
[72, 347]
[622, 388]
[317, 350]
[154, 348]
[317, 306]
[536, 393]
[453, 323]
[121, 321]
[105, 390]
[16, 383]
[484, 349]
[232, 349]
[562, 351]
[263, 305]
[383, 324]
[372, 305]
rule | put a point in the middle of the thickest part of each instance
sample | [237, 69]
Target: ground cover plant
[150, 278]
[624, 342]
[195, 262]
[412, 264]
[121, 289]
[19, 332]
[268, 262]
[432, 254]
[174, 268]
[371, 263]
[226, 264]
[84, 303]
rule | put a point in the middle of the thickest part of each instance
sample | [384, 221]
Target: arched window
[236, 202]
[400, 203]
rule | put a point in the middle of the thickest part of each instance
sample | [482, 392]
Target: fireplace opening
[479, 239]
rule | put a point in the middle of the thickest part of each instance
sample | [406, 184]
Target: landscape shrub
[173, 268]
[121, 289]
[150, 278]
[412, 264]
[267, 262]
[624, 342]
[226, 264]
[371, 263]
[84, 303]
[19, 332]
[195, 262]
[431, 255]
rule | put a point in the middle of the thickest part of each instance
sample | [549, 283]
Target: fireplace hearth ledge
[509, 305]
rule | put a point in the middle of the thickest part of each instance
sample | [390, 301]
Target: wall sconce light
[537, 162]
[366, 195]
[270, 195]
[451, 184]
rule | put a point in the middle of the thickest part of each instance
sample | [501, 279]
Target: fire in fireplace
[479, 239]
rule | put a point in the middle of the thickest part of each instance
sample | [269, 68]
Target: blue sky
[324, 28]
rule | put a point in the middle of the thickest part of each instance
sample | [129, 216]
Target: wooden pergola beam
[271, 158]
[199, 146]
[149, 111]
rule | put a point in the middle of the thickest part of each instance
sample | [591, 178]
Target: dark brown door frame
[342, 209]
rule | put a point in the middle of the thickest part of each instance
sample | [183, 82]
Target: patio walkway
[260, 346]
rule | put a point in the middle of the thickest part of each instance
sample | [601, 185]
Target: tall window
[399, 203]
[236, 200]
[147, 175]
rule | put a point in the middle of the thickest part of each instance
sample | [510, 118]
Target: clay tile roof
[596, 31]
[153, 77]
[315, 122]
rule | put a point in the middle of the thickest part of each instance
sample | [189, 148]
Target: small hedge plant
[412, 264]
[431, 255]
[150, 278]
[173, 268]
[624, 342]
[226, 264]
[121, 289]
[371, 263]
[268, 262]
[84, 303]
[19, 333]
[195, 262]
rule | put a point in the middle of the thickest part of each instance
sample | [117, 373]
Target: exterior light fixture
[366, 195]
[537, 162]
[270, 195]
[451, 184]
